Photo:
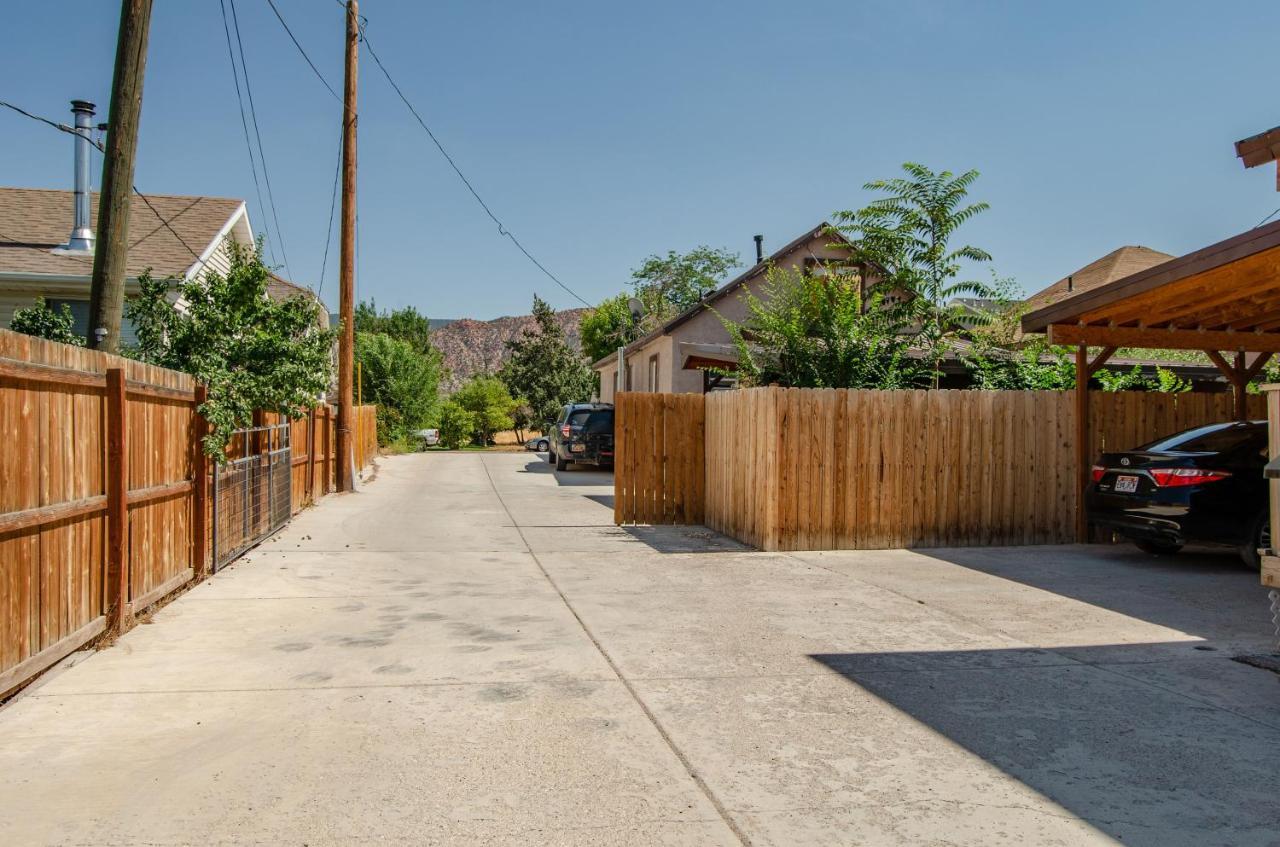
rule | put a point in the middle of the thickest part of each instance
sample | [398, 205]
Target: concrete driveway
[468, 652]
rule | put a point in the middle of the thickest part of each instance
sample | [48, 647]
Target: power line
[502, 230]
[312, 64]
[262, 153]
[1267, 218]
[98, 145]
[333, 202]
[253, 165]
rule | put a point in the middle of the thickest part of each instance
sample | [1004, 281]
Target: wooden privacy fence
[658, 458]
[103, 495]
[796, 469]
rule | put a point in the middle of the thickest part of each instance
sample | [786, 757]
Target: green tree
[669, 284]
[457, 425]
[406, 324]
[402, 381]
[543, 369]
[490, 405]
[251, 351]
[907, 235]
[607, 327]
[816, 332]
[42, 321]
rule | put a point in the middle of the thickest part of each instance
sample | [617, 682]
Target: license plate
[578, 448]
[1126, 484]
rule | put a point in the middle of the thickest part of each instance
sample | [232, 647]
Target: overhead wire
[262, 153]
[502, 229]
[61, 127]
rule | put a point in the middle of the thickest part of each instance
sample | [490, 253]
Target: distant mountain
[473, 347]
[440, 323]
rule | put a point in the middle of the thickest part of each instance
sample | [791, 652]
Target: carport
[1222, 300]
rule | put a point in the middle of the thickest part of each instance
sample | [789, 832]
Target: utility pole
[347, 260]
[106, 293]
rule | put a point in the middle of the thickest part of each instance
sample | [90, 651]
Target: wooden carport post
[1084, 372]
[1239, 375]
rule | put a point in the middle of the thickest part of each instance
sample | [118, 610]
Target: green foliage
[813, 332]
[543, 369]
[490, 405]
[405, 324]
[402, 380]
[457, 425]
[1035, 366]
[1134, 380]
[607, 327]
[251, 352]
[672, 283]
[42, 321]
[907, 236]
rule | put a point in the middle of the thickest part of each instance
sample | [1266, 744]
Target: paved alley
[469, 652]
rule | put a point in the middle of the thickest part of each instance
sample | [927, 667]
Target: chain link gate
[252, 491]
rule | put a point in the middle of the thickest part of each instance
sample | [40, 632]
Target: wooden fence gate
[658, 458]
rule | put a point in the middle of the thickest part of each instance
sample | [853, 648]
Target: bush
[402, 381]
[43, 322]
[456, 426]
[490, 405]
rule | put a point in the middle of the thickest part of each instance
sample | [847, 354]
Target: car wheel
[561, 464]
[1157, 548]
[1260, 532]
[543, 445]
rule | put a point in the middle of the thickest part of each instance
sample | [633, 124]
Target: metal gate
[252, 491]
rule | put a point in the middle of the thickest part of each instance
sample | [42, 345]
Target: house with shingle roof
[1117, 264]
[171, 235]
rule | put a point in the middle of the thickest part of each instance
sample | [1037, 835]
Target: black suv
[584, 434]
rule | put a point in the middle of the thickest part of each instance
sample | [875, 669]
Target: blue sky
[603, 132]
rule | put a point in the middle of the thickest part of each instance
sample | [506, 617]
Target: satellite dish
[636, 308]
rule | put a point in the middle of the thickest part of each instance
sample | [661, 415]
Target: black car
[583, 435]
[1202, 485]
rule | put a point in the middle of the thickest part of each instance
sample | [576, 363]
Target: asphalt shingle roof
[33, 221]
[1115, 265]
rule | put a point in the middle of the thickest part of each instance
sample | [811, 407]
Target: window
[626, 378]
[1215, 438]
[653, 372]
[80, 319]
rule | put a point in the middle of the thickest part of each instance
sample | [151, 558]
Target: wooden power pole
[106, 293]
[347, 261]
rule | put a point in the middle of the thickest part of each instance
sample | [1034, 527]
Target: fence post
[311, 455]
[200, 502]
[117, 576]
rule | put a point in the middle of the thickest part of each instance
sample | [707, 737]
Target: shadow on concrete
[684, 539]
[605, 500]
[1207, 593]
[1145, 764]
[575, 475]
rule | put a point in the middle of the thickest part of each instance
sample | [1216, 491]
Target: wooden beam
[117, 581]
[1174, 339]
[1223, 365]
[200, 502]
[42, 515]
[1255, 367]
[1097, 363]
[1082, 441]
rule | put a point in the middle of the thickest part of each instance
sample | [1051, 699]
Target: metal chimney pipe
[81, 240]
[759, 249]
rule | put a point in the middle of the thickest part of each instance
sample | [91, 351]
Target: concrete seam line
[720, 808]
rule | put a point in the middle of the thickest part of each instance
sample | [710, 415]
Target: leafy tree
[401, 380]
[1034, 366]
[543, 369]
[1133, 380]
[405, 324]
[251, 351]
[607, 327]
[907, 235]
[456, 425]
[42, 321]
[814, 332]
[490, 405]
[672, 283]
[523, 419]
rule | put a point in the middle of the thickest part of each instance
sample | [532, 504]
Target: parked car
[1202, 485]
[583, 435]
[430, 437]
[539, 443]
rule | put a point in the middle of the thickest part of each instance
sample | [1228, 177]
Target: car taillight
[1098, 472]
[1174, 477]
[564, 430]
